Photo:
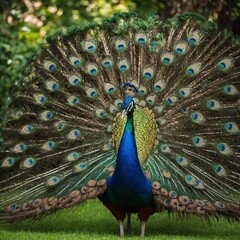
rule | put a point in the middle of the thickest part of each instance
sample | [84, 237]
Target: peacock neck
[127, 158]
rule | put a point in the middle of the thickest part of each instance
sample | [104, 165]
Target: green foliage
[15, 51]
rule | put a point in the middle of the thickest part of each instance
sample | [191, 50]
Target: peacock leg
[121, 228]
[129, 227]
[143, 224]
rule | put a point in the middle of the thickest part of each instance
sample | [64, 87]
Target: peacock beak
[124, 113]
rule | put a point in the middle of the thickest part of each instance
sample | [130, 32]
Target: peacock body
[143, 115]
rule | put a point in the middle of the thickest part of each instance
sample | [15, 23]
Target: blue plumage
[128, 187]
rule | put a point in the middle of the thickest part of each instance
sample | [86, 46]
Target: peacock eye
[8, 162]
[167, 58]
[40, 99]
[109, 88]
[27, 129]
[148, 73]
[73, 156]
[140, 38]
[92, 93]
[28, 163]
[193, 69]
[107, 62]
[224, 149]
[52, 85]
[120, 44]
[74, 134]
[225, 64]
[123, 65]
[194, 38]
[75, 61]
[49, 145]
[199, 141]
[92, 69]
[74, 80]
[49, 65]
[181, 48]
[89, 46]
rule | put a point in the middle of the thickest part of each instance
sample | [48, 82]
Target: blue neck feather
[129, 185]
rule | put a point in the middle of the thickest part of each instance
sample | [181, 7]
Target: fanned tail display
[127, 107]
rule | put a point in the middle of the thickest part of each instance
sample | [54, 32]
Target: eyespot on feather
[49, 65]
[46, 115]
[199, 141]
[159, 86]
[60, 125]
[151, 99]
[73, 156]
[109, 88]
[213, 104]
[171, 100]
[224, 149]
[158, 109]
[51, 85]
[181, 48]
[230, 90]
[167, 58]
[28, 163]
[120, 44]
[166, 173]
[198, 118]
[8, 162]
[165, 148]
[73, 100]
[195, 37]
[74, 134]
[118, 103]
[27, 129]
[142, 90]
[49, 145]
[112, 109]
[100, 113]
[182, 161]
[92, 69]
[74, 80]
[220, 170]
[107, 62]
[79, 167]
[194, 69]
[40, 98]
[75, 61]
[184, 92]
[191, 180]
[19, 148]
[123, 65]
[232, 127]
[148, 73]
[52, 181]
[91, 93]
[89, 46]
[225, 64]
[140, 38]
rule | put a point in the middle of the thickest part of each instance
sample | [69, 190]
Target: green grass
[93, 221]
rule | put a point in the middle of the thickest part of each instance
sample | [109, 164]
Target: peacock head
[128, 106]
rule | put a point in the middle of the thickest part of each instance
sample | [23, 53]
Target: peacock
[143, 115]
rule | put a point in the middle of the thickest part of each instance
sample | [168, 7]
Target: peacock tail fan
[63, 129]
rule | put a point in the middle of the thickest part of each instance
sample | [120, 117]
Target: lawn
[93, 221]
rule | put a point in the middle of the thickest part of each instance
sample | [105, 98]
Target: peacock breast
[145, 130]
